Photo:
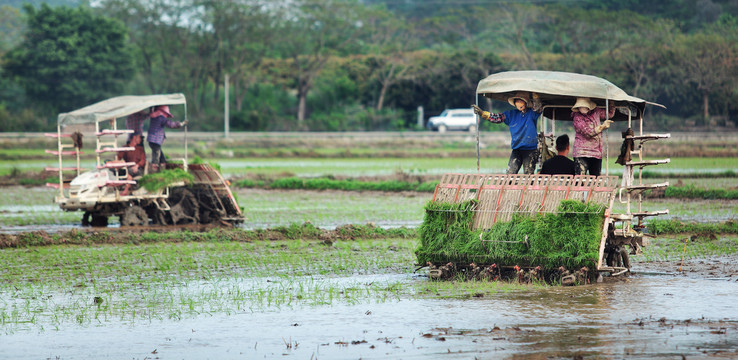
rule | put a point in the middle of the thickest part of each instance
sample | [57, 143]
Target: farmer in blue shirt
[523, 133]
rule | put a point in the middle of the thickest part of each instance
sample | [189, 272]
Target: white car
[454, 119]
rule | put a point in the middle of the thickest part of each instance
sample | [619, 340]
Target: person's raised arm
[173, 124]
[486, 115]
[537, 105]
[610, 112]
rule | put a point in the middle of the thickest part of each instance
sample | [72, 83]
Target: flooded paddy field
[381, 166]
[32, 208]
[351, 299]
[238, 298]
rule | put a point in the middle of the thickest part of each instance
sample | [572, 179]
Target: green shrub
[245, 183]
[287, 183]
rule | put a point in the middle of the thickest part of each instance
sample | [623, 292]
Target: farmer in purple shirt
[523, 133]
[588, 138]
[159, 120]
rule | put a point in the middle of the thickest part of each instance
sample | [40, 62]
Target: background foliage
[363, 65]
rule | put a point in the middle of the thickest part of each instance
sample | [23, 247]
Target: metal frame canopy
[557, 89]
[118, 107]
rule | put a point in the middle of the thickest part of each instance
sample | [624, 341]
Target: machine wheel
[625, 256]
[86, 219]
[472, 128]
[210, 207]
[134, 216]
[99, 220]
[442, 128]
[618, 256]
[160, 217]
[184, 208]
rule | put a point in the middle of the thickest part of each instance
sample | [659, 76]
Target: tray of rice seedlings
[157, 181]
[557, 246]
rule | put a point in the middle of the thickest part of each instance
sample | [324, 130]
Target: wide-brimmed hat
[161, 110]
[584, 102]
[522, 95]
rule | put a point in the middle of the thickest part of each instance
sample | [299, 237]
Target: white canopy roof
[554, 83]
[560, 89]
[118, 107]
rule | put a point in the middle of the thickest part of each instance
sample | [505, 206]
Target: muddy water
[645, 317]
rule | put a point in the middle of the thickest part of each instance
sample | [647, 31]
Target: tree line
[338, 65]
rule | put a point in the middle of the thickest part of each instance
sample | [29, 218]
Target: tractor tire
[160, 217]
[157, 216]
[210, 206]
[184, 208]
[134, 216]
[99, 221]
[618, 259]
[625, 256]
[610, 256]
[86, 219]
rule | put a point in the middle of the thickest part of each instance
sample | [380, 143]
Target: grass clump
[568, 238]
[326, 183]
[663, 227]
[305, 231]
[299, 231]
[164, 178]
[693, 192]
[689, 175]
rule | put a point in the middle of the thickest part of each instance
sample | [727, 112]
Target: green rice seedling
[164, 178]
[569, 237]
[466, 289]
[159, 280]
[672, 249]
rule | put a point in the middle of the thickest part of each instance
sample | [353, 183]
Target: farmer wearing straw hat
[159, 120]
[523, 133]
[588, 139]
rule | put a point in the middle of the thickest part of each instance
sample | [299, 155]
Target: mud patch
[713, 267]
[182, 233]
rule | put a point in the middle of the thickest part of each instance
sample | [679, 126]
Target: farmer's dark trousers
[157, 156]
[525, 158]
[584, 164]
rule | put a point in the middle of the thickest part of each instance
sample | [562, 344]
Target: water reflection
[646, 317]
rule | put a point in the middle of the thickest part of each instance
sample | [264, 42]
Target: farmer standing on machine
[588, 139]
[523, 132]
[159, 120]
